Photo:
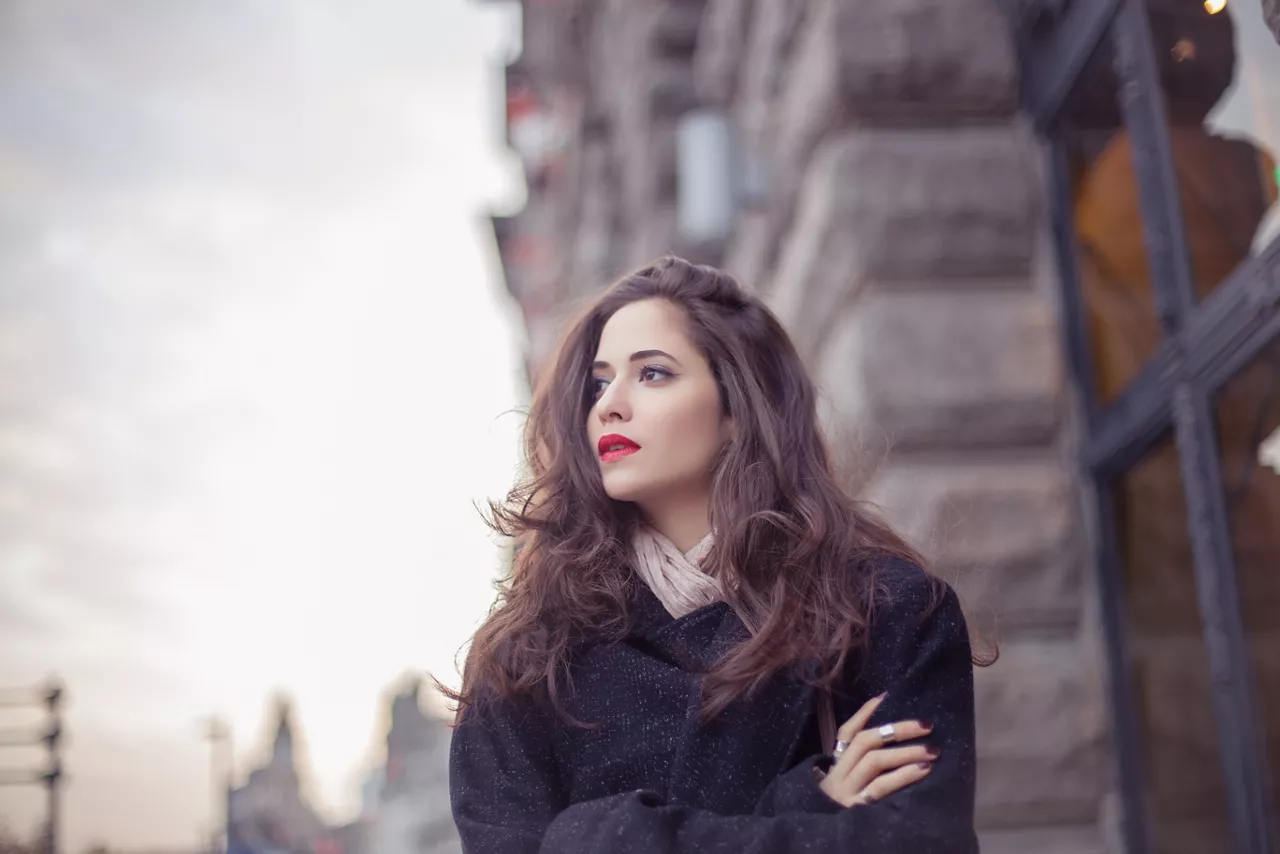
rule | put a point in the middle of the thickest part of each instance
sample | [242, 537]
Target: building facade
[1029, 249]
[270, 814]
[407, 807]
[404, 800]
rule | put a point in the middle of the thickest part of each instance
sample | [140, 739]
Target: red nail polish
[924, 765]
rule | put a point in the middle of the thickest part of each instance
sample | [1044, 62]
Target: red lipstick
[614, 446]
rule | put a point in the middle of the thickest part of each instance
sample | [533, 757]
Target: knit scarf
[675, 578]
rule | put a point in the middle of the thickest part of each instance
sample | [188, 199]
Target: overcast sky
[254, 363]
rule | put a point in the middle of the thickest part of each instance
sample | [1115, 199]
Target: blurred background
[257, 364]
[276, 276]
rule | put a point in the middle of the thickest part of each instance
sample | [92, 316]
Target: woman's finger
[846, 758]
[885, 760]
[891, 781]
[855, 724]
[872, 739]
[875, 738]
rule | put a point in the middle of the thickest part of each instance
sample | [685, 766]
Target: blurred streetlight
[218, 733]
[51, 697]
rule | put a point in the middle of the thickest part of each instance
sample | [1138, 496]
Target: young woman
[693, 598]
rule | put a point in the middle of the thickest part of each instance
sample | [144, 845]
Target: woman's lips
[610, 456]
[614, 446]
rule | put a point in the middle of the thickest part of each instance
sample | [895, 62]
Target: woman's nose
[613, 405]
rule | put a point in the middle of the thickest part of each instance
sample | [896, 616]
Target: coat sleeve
[504, 784]
[925, 666]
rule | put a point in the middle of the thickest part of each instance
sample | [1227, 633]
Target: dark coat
[652, 779]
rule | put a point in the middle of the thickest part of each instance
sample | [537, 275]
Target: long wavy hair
[799, 555]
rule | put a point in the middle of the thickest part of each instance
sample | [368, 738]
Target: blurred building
[1029, 247]
[269, 812]
[406, 808]
[404, 803]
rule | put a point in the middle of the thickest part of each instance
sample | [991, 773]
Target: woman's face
[656, 426]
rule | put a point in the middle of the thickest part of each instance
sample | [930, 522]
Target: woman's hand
[868, 770]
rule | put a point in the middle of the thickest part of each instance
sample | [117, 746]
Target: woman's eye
[653, 372]
[598, 385]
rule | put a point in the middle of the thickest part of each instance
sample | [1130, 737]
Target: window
[1247, 411]
[1162, 119]
[1183, 790]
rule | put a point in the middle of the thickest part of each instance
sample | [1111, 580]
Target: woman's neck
[684, 522]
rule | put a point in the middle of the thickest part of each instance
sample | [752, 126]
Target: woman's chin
[621, 495]
[623, 489]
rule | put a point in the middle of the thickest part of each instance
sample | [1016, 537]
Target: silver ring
[840, 748]
[867, 800]
[887, 734]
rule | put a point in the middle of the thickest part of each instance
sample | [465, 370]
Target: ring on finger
[840, 748]
[888, 735]
[866, 796]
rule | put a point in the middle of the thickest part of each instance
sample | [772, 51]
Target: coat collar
[751, 741]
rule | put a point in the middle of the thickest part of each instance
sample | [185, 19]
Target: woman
[692, 598]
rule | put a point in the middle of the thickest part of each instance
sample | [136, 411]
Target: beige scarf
[674, 577]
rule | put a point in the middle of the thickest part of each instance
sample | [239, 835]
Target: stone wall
[901, 238]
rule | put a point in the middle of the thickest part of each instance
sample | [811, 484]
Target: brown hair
[801, 552]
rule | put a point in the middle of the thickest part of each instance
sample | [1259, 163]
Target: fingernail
[925, 765]
[926, 724]
[931, 752]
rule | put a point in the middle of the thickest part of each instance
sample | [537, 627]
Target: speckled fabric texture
[651, 779]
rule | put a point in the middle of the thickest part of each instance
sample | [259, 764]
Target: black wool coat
[652, 779]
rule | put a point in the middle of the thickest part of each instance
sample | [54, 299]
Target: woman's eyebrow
[637, 356]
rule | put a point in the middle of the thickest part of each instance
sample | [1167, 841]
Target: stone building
[1028, 248]
[270, 812]
[407, 802]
